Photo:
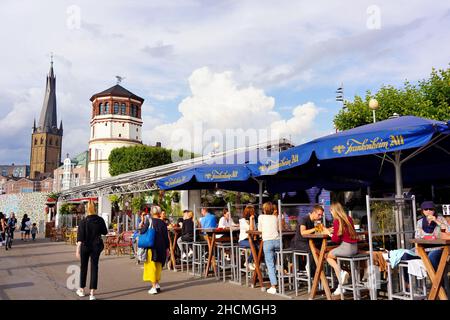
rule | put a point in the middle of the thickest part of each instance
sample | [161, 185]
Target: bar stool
[356, 285]
[302, 275]
[288, 254]
[404, 293]
[222, 265]
[198, 257]
[186, 245]
[248, 273]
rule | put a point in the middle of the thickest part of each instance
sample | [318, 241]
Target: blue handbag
[147, 239]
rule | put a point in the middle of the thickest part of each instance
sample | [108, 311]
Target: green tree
[430, 98]
[129, 159]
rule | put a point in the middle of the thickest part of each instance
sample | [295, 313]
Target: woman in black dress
[90, 245]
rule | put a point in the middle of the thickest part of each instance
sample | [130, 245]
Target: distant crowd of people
[8, 225]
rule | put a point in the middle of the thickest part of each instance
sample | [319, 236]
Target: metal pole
[374, 119]
[372, 281]
[413, 200]
[260, 184]
[399, 194]
[233, 261]
[280, 228]
[195, 224]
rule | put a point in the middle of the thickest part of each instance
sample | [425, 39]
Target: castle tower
[46, 138]
[116, 122]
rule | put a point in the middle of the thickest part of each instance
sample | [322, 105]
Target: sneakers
[272, 290]
[338, 291]
[250, 266]
[190, 253]
[344, 277]
[92, 297]
[80, 293]
[183, 256]
[153, 291]
[158, 288]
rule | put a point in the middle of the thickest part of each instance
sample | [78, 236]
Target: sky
[210, 70]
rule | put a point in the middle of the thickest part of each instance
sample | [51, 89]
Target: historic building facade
[116, 122]
[46, 139]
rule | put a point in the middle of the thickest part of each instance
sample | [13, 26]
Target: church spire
[48, 117]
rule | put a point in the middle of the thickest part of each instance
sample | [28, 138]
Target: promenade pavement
[39, 271]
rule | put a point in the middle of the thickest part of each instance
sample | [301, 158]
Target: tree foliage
[430, 98]
[129, 159]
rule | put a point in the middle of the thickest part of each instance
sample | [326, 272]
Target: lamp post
[373, 104]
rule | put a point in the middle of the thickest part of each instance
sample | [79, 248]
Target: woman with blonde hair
[89, 246]
[268, 225]
[156, 256]
[344, 233]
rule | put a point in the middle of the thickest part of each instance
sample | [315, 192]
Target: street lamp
[373, 104]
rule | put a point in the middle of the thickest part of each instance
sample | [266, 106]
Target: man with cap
[431, 224]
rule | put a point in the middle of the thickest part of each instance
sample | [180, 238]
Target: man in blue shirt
[208, 220]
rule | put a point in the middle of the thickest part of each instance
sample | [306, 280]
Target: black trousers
[94, 254]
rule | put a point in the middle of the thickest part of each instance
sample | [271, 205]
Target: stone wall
[33, 204]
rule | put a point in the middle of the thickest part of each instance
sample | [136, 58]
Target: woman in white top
[246, 223]
[226, 221]
[268, 225]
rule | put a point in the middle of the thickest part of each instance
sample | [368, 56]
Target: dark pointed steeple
[48, 117]
[34, 125]
[61, 127]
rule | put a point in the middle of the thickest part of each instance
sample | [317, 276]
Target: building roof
[117, 91]
[80, 160]
[48, 117]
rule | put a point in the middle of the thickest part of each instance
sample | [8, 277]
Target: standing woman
[268, 225]
[23, 226]
[156, 256]
[90, 245]
[344, 233]
[2, 227]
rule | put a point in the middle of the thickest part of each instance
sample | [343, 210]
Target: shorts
[345, 249]
[27, 232]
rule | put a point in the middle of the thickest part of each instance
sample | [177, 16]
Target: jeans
[246, 244]
[269, 247]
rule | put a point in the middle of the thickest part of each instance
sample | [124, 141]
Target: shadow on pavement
[3, 287]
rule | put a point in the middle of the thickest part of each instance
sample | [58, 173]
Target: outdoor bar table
[258, 255]
[436, 277]
[319, 260]
[210, 235]
[175, 231]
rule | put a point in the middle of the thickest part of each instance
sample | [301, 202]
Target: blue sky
[250, 65]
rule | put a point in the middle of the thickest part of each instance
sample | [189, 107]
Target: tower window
[137, 130]
[56, 142]
[124, 109]
[116, 108]
[100, 110]
[123, 124]
[42, 140]
[51, 141]
[106, 109]
[120, 135]
[35, 141]
[106, 124]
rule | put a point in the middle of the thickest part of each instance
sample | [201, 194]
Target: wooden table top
[258, 233]
[431, 242]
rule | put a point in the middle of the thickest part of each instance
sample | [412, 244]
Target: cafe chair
[199, 257]
[224, 261]
[356, 286]
[402, 290]
[288, 273]
[302, 275]
[184, 259]
[243, 266]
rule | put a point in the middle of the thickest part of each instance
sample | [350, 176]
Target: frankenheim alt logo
[355, 145]
[73, 280]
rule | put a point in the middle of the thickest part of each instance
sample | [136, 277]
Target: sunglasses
[428, 209]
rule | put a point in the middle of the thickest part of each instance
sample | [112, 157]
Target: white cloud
[218, 105]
